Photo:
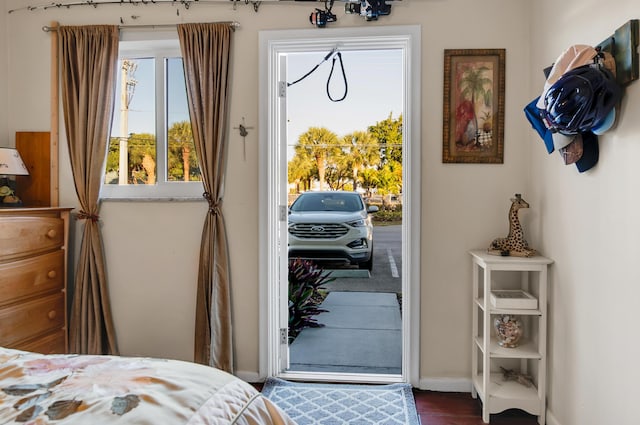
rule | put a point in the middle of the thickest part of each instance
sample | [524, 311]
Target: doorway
[277, 50]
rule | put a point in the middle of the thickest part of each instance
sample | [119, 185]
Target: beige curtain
[89, 57]
[206, 50]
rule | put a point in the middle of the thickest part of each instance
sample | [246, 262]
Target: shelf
[492, 273]
[505, 395]
[499, 263]
[526, 350]
[519, 311]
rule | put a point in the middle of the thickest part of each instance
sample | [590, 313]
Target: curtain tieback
[214, 207]
[82, 215]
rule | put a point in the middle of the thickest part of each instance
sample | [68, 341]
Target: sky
[372, 76]
[141, 108]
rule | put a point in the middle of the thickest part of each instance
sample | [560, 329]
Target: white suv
[332, 226]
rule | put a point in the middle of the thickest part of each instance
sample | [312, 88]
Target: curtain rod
[184, 3]
[68, 4]
[233, 24]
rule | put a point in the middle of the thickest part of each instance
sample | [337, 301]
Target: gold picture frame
[473, 106]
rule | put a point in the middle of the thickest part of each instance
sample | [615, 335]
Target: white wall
[590, 226]
[152, 248]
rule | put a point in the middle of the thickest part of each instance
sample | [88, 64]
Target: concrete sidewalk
[362, 334]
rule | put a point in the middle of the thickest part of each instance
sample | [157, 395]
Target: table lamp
[11, 164]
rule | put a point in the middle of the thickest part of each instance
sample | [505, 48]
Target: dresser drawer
[20, 322]
[25, 236]
[23, 278]
[53, 343]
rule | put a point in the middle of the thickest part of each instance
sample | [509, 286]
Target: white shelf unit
[529, 357]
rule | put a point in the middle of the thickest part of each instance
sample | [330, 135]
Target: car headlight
[358, 223]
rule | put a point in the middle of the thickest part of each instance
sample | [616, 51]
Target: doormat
[338, 404]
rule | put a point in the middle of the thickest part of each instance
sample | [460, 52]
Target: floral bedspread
[38, 389]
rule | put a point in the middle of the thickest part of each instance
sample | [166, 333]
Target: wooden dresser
[33, 278]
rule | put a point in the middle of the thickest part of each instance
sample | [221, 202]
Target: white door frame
[272, 210]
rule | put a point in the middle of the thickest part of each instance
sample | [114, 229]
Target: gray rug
[341, 404]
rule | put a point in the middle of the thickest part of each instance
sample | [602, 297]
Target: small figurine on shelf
[514, 244]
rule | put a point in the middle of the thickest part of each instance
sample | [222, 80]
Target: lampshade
[11, 164]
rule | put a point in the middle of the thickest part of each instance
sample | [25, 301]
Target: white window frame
[158, 45]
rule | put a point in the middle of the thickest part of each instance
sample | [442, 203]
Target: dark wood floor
[443, 408]
[437, 408]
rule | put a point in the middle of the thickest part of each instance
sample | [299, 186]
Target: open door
[274, 146]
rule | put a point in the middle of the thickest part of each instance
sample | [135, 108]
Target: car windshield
[347, 202]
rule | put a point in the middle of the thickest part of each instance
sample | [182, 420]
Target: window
[151, 152]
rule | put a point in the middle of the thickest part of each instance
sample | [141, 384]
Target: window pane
[182, 162]
[132, 144]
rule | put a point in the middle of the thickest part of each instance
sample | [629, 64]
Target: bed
[37, 389]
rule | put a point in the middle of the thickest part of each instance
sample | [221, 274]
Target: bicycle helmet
[581, 99]
[575, 56]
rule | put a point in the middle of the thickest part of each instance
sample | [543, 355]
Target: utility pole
[128, 86]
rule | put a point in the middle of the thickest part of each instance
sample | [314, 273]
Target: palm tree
[141, 158]
[370, 179]
[300, 170]
[181, 151]
[364, 150]
[474, 85]
[320, 144]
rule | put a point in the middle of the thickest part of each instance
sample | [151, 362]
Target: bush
[305, 294]
[388, 215]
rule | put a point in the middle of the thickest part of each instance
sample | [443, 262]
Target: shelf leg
[486, 334]
[485, 413]
[474, 330]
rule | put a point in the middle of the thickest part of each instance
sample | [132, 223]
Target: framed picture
[473, 124]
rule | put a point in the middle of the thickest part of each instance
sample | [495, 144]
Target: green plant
[388, 215]
[305, 294]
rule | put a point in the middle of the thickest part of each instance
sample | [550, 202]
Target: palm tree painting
[474, 106]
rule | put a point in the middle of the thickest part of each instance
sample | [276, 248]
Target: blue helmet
[581, 99]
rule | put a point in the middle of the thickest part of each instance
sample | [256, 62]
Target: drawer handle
[52, 233]
[52, 314]
[52, 274]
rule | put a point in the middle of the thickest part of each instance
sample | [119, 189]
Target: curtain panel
[206, 52]
[89, 58]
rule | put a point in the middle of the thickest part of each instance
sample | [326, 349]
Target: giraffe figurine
[514, 244]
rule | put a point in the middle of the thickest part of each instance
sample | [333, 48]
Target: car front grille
[318, 231]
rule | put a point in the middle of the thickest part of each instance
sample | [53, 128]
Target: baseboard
[551, 420]
[450, 385]
[251, 377]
